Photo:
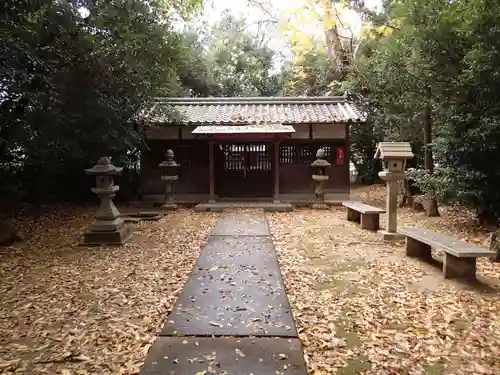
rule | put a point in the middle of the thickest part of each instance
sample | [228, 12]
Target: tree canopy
[74, 73]
[430, 64]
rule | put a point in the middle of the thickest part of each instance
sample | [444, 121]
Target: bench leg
[454, 267]
[353, 215]
[370, 221]
[417, 249]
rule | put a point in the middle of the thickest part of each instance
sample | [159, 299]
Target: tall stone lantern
[170, 177]
[108, 227]
[394, 156]
[320, 177]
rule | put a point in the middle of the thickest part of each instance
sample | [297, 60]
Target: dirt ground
[73, 310]
[363, 307]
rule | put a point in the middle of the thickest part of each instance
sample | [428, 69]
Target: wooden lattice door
[244, 170]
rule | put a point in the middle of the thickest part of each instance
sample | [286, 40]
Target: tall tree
[322, 40]
[407, 74]
[310, 73]
[240, 62]
[72, 81]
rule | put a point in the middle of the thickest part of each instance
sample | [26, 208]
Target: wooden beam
[254, 137]
[276, 171]
[211, 173]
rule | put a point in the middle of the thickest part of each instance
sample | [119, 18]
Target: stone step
[241, 224]
[224, 355]
[222, 206]
[235, 289]
[232, 316]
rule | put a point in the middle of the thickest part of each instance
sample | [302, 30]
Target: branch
[259, 5]
[361, 8]
[260, 22]
[348, 28]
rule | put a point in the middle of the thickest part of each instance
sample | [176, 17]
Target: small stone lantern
[108, 227]
[170, 177]
[320, 177]
[393, 156]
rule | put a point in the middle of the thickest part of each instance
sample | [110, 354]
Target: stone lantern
[170, 177]
[320, 177]
[108, 227]
[393, 156]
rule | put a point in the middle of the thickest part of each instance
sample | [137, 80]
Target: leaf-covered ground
[360, 304]
[73, 310]
[363, 307]
[454, 220]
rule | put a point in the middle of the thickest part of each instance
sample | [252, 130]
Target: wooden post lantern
[394, 156]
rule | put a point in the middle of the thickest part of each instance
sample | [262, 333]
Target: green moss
[351, 338]
[434, 369]
[335, 266]
[460, 325]
[344, 267]
[397, 326]
[331, 284]
[355, 366]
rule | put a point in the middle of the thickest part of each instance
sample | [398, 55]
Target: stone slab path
[232, 316]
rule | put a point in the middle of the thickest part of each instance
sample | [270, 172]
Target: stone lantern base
[319, 206]
[390, 236]
[107, 233]
[169, 207]
[320, 191]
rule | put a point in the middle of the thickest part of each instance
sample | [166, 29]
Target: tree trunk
[336, 51]
[495, 245]
[428, 159]
[407, 195]
[7, 235]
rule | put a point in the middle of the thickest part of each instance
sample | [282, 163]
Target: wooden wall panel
[329, 131]
[193, 170]
[186, 132]
[301, 131]
[296, 171]
[163, 132]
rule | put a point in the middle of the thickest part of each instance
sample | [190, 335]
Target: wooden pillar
[392, 206]
[276, 171]
[211, 173]
[347, 157]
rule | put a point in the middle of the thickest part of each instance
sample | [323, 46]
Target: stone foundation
[221, 206]
[116, 237]
[169, 207]
[390, 236]
[319, 206]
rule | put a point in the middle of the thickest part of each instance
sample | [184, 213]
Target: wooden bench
[367, 216]
[459, 256]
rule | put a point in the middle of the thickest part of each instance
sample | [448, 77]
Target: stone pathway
[232, 316]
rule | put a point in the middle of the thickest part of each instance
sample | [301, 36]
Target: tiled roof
[398, 150]
[258, 110]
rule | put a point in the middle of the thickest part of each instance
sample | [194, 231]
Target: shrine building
[258, 148]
